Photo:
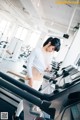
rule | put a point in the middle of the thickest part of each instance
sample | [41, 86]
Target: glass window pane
[24, 34]
[3, 24]
[18, 33]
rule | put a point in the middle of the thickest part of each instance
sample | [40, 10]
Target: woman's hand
[48, 69]
[30, 81]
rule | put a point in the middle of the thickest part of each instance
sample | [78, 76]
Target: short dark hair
[54, 42]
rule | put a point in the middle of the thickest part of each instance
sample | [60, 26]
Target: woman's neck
[44, 49]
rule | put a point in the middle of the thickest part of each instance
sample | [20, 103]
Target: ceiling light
[38, 3]
[52, 23]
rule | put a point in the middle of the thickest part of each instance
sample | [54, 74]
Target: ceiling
[45, 15]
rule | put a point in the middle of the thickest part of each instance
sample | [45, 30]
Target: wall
[73, 51]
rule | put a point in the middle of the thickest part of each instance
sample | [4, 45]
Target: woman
[39, 61]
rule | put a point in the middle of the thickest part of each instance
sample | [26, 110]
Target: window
[3, 25]
[21, 33]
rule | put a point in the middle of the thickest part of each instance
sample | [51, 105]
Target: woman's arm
[29, 67]
[48, 63]
[30, 63]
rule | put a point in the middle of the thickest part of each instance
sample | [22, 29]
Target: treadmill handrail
[44, 105]
[19, 92]
[21, 85]
[48, 97]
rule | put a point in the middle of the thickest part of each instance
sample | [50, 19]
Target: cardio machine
[55, 102]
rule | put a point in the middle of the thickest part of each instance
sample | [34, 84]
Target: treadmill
[8, 102]
[44, 105]
[54, 103]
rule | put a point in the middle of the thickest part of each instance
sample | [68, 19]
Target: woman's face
[50, 48]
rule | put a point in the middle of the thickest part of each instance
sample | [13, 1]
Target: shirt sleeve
[50, 58]
[30, 63]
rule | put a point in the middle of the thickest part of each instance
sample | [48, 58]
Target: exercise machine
[57, 101]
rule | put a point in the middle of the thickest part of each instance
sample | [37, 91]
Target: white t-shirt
[38, 59]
